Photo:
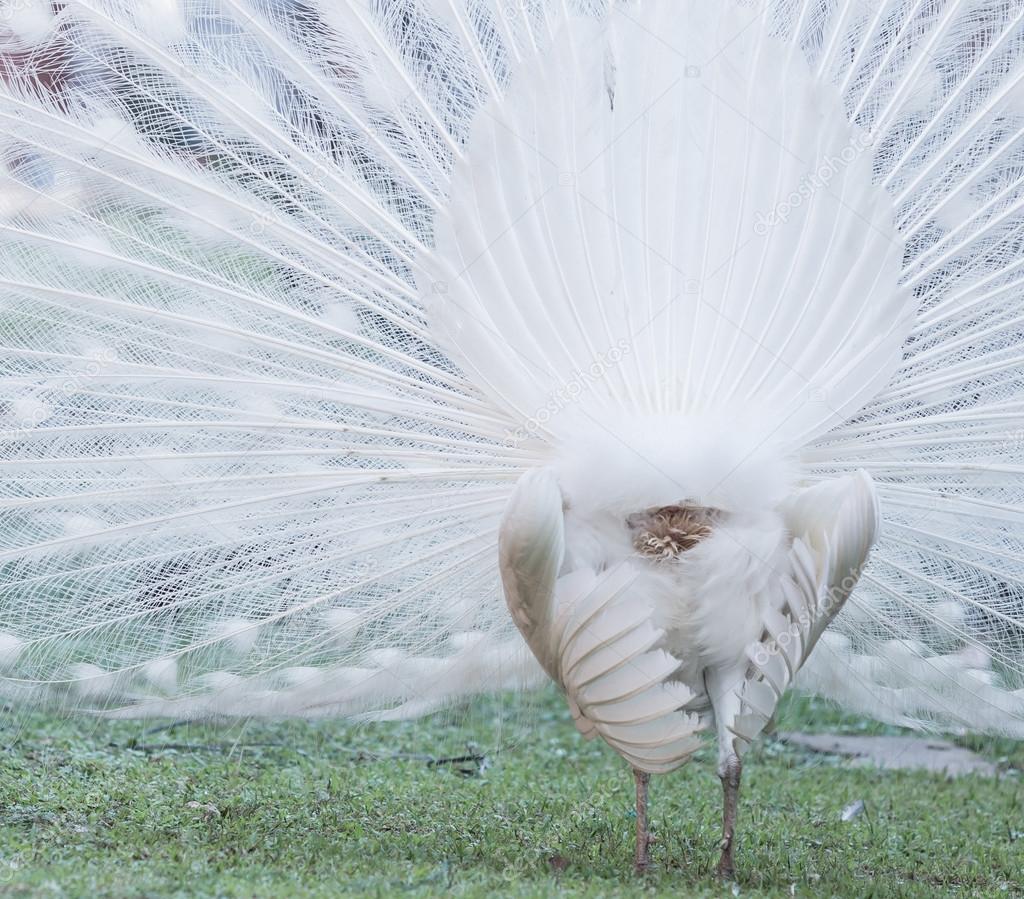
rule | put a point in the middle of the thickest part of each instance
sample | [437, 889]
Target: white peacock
[321, 321]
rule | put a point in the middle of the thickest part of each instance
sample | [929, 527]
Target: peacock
[362, 356]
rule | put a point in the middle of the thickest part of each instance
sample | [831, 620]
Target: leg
[643, 839]
[730, 776]
[721, 689]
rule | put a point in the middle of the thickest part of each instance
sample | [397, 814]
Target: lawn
[502, 798]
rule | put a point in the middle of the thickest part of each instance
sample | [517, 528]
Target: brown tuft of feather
[665, 532]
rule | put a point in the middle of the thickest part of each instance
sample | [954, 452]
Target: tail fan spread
[292, 295]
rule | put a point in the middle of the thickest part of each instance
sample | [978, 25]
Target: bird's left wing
[531, 549]
[592, 632]
[833, 526]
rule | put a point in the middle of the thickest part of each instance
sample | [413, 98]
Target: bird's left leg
[722, 688]
[729, 773]
[642, 858]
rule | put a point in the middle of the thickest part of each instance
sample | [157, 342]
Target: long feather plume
[292, 292]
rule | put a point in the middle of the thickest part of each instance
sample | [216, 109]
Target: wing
[833, 527]
[592, 633]
[618, 681]
[531, 547]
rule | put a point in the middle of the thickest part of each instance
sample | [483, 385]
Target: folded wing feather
[833, 525]
[592, 632]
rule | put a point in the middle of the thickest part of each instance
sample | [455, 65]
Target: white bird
[333, 332]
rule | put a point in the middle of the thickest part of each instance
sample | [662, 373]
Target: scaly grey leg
[643, 837]
[730, 777]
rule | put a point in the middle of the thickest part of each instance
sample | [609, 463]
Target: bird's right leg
[721, 686]
[642, 858]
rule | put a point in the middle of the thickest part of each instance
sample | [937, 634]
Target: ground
[501, 799]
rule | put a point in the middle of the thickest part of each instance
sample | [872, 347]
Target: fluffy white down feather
[622, 464]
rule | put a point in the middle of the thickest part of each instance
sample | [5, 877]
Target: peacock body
[362, 356]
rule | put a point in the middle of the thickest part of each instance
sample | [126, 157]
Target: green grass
[97, 808]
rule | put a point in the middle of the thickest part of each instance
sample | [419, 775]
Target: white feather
[30, 21]
[292, 302]
[10, 648]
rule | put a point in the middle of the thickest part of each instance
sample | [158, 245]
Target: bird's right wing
[833, 526]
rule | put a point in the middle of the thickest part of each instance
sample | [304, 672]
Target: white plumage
[322, 322]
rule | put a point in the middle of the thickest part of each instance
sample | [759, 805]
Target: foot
[642, 862]
[726, 870]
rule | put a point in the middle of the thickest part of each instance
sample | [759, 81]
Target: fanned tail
[291, 295]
